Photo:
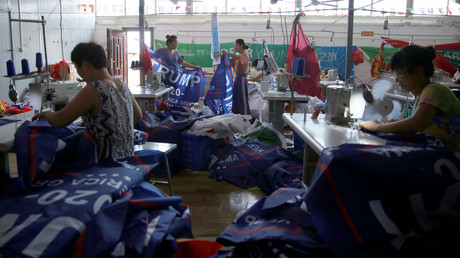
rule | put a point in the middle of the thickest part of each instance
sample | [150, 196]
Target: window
[287, 7]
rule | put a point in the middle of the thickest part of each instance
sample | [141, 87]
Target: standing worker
[170, 53]
[240, 64]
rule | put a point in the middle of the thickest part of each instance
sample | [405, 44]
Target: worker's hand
[224, 52]
[39, 115]
[368, 125]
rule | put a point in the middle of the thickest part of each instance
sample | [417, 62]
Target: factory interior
[311, 151]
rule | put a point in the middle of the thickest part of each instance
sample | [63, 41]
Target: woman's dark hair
[241, 42]
[410, 57]
[90, 52]
[170, 39]
[255, 62]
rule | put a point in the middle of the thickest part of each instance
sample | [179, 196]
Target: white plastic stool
[165, 148]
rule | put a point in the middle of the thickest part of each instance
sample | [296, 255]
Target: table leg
[4, 169]
[309, 164]
[278, 110]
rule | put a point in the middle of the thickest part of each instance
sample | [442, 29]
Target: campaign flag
[280, 220]
[188, 84]
[42, 148]
[221, 81]
[386, 201]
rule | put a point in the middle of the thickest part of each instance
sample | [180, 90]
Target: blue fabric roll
[25, 66]
[11, 71]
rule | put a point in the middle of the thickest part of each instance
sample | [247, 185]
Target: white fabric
[222, 126]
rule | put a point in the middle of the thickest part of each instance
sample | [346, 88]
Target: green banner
[200, 54]
[372, 52]
[452, 55]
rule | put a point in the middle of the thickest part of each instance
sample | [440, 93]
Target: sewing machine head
[282, 79]
[53, 95]
[154, 79]
[338, 104]
[347, 102]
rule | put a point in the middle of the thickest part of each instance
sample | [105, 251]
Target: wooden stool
[165, 148]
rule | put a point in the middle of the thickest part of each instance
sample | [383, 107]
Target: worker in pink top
[240, 64]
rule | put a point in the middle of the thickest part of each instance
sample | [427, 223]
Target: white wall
[78, 26]
[197, 28]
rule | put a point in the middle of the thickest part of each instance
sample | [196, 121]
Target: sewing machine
[52, 95]
[347, 102]
[154, 79]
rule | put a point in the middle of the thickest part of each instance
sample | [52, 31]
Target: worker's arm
[188, 65]
[137, 113]
[86, 100]
[417, 123]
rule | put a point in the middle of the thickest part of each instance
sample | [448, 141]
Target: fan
[316, 3]
[382, 106]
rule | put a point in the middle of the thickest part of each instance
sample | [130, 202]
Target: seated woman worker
[437, 109]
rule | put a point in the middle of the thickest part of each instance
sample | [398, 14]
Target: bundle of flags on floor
[66, 204]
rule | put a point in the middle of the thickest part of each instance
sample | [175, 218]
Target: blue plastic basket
[195, 151]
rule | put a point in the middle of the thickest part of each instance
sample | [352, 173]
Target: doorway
[134, 75]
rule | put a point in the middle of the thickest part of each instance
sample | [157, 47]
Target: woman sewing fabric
[105, 104]
[170, 53]
[263, 75]
[240, 63]
[436, 109]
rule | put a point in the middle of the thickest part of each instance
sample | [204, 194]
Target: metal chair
[165, 148]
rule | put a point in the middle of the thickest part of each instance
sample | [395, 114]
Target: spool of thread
[298, 66]
[25, 66]
[38, 61]
[11, 71]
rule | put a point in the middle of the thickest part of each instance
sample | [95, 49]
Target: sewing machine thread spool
[38, 61]
[25, 66]
[298, 66]
[11, 71]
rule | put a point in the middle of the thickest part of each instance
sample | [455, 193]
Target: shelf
[21, 76]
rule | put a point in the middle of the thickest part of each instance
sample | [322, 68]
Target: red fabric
[196, 248]
[439, 62]
[358, 56]
[308, 85]
[55, 73]
[146, 61]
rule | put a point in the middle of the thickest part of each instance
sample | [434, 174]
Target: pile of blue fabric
[398, 200]
[64, 203]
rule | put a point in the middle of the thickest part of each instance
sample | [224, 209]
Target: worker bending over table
[106, 105]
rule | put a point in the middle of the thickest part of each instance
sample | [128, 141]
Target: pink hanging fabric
[309, 85]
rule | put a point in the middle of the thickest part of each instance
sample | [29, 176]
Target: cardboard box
[65, 72]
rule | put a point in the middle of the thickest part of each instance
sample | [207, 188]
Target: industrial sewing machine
[52, 95]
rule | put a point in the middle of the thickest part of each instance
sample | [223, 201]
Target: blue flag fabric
[106, 210]
[248, 164]
[279, 220]
[163, 127]
[188, 84]
[41, 148]
[389, 200]
[221, 80]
